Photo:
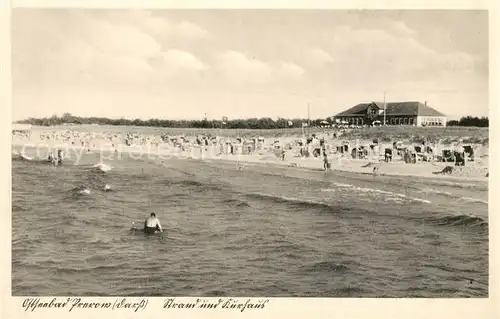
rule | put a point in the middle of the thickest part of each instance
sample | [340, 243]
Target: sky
[183, 64]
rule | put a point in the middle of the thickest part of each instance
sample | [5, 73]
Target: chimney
[425, 103]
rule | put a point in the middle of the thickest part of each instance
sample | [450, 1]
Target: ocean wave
[31, 160]
[449, 269]
[80, 191]
[397, 200]
[426, 201]
[329, 190]
[449, 194]
[342, 185]
[93, 183]
[326, 266]
[184, 182]
[101, 167]
[193, 184]
[346, 291]
[440, 220]
[435, 191]
[19, 207]
[281, 245]
[474, 200]
[383, 192]
[460, 220]
[216, 293]
[236, 202]
[462, 184]
[302, 203]
[312, 204]
[61, 271]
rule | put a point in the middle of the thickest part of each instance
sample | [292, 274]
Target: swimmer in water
[152, 224]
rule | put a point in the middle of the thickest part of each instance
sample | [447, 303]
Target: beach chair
[388, 155]
[448, 156]
[469, 152]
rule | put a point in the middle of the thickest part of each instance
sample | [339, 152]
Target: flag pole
[385, 107]
[308, 114]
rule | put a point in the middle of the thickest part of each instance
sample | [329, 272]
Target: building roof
[411, 108]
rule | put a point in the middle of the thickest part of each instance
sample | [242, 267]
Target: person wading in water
[152, 224]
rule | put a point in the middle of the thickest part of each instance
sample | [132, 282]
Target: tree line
[470, 121]
[251, 123]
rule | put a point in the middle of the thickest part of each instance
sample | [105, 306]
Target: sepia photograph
[250, 152]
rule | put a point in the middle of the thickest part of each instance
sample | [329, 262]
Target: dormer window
[372, 111]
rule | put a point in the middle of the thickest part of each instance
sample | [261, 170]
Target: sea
[243, 230]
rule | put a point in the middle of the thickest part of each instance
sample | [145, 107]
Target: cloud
[382, 54]
[159, 26]
[177, 59]
[139, 52]
[291, 70]
[189, 29]
[96, 50]
[319, 57]
[457, 61]
[401, 28]
[113, 39]
[237, 66]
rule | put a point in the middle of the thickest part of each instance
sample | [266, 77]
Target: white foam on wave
[342, 185]
[465, 198]
[473, 200]
[420, 200]
[391, 195]
[291, 199]
[102, 167]
[84, 191]
[434, 191]
[461, 183]
[328, 190]
[393, 199]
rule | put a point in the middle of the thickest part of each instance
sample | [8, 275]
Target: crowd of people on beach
[322, 147]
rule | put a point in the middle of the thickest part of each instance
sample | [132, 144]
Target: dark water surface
[260, 231]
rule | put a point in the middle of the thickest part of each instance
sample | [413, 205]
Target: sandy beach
[155, 145]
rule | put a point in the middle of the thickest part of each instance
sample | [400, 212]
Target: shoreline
[339, 164]
[347, 169]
